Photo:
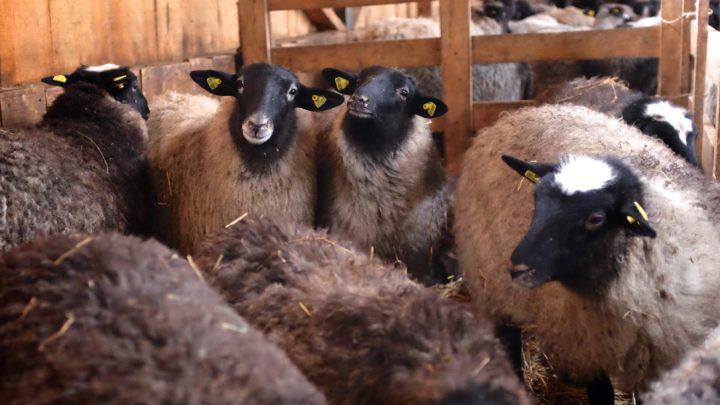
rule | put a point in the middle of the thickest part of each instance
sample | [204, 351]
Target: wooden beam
[580, 45]
[254, 31]
[274, 5]
[402, 53]
[456, 55]
[325, 19]
[686, 67]
[671, 47]
[486, 113]
[697, 97]
[708, 151]
[424, 8]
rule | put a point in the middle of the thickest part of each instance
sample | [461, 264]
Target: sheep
[83, 168]
[694, 381]
[494, 82]
[114, 319]
[358, 329]
[654, 116]
[381, 182]
[656, 303]
[252, 153]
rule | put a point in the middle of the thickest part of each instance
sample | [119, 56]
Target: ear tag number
[640, 209]
[341, 83]
[319, 101]
[60, 79]
[532, 176]
[430, 107]
[213, 82]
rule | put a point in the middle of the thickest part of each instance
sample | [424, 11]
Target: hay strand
[236, 220]
[57, 335]
[305, 309]
[195, 268]
[32, 304]
[72, 251]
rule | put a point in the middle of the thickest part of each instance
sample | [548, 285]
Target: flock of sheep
[302, 231]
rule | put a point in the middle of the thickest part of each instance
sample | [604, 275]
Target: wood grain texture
[80, 33]
[697, 97]
[325, 19]
[670, 68]
[311, 4]
[26, 48]
[255, 34]
[22, 107]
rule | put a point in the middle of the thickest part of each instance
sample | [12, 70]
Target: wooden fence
[456, 50]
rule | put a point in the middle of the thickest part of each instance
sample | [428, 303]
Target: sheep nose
[519, 269]
[255, 126]
[361, 99]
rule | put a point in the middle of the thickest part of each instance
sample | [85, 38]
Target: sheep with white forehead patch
[381, 182]
[360, 330]
[83, 167]
[696, 381]
[113, 319]
[608, 298]
[253, 153]
[652, 115]
[493, 82]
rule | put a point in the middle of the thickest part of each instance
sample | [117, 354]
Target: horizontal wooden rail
[486, 113]
[355, 55]
[274, 5]
[577, 45]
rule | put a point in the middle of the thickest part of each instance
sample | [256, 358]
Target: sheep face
[661, 119]
[495, 11]
[613, 15]
[119, 81]
[582, 207]
[267, 96]
[381, 108]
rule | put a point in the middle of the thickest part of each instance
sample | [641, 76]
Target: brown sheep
[362, 331]
[113, 319]
[83, 169]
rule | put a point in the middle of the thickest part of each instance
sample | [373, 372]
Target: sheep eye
[595, 221]
[404, 93]
[240, 86]
[293, 91]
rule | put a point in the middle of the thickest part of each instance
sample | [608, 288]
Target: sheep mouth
[525, 278]
[360, 112]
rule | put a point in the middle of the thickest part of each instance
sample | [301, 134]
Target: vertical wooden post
[670, 69]
[687, 47]
[424, 8]
[697, 97]
[254, 31]
[456, 54]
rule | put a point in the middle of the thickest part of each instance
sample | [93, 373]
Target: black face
[589, 7]
[496, 11]
[264, 124]
[575, 238]
[659, 126]
[382, 105]
[119, 82]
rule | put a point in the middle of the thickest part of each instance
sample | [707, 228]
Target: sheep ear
[342, 82]
[312, 99]
[215, 82]
[637, 220]
[57, 80]
[429, 107]
[532, 171]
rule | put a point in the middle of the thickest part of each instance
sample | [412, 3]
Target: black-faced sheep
[253, 153]
[381, 182]
[113, 319]
[83, 168]
[652, 115]
[493, 82]
[652, 298]
[695, 381]
[358, 329]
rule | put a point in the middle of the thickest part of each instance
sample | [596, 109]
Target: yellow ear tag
[631, 220]
[319, 101]
[60, 79]
[213, 82]
[117, 79]
[641, 210]
[341, 83]
[430, 107]
[532, 176]
[591, 13]
[120, 85]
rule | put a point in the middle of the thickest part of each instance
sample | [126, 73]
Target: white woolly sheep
[381, 183]
[654, 298]
[115, 320]
[83, 167]
[252, 153]
[360, 330]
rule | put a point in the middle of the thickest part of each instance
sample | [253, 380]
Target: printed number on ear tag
[319, 101]
[213, 82]
[341, 83]
[430, 107]
[530, 175]
[60, 79]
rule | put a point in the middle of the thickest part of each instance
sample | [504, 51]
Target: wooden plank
[24, 56]
[580, 45]
[255, 31]
[133, 32]
[314, 4]
[670, 68]
[228, 26]
[456, 55]
[403, 53]
[325, 19]
[708, 152]
[486, 113]
[685, 64]
[23, 107]
[697, 99]
[80, 37]
[424, 8]
[158, 80]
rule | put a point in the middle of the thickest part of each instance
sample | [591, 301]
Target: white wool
[101, 68]
[583, 174]
[673, 115]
